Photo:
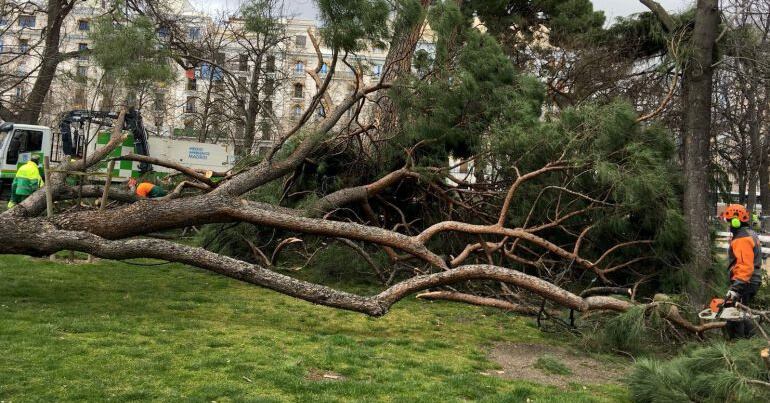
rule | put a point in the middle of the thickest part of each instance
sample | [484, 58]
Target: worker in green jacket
[26, 181]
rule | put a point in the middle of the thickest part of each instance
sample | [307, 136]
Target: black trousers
[737, 329]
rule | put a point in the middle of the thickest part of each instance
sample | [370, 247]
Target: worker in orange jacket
[745, 265]
[146, 189]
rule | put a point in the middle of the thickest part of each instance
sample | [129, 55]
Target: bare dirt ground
[518, 362]
[319, 375]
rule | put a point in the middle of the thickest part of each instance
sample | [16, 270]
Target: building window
[243, 84]
[264, 128]
[298, 89]
[192, 84]
[1, 45]
[267, 108]
[163, 32]
[189, 106]
[296, 111]
[82, 71]
[83, 47]
[3, 21]
[269, 86]
[160, 102]
[270, 64]
[299, 67]
[321, 111]
[243, 62]
[377, 70]
[84, 25]
[324, 68]
[27, 21]
[80, 98]
[299, 40]
[23, 45]
[195, 33]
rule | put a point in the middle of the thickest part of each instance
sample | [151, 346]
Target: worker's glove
[732, 295]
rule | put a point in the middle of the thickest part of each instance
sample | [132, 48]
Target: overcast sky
[622, 8]
[306, 9]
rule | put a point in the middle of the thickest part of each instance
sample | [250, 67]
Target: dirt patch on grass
[320, 375]
[518, 361]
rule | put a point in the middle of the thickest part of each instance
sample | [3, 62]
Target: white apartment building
[201, 102]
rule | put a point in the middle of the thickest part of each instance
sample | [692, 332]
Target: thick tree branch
[169, 164]
[356, 194]
[663, 16]
[482, 301]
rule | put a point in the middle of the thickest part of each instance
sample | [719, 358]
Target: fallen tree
[554, 205]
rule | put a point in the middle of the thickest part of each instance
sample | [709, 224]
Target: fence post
[48, 194]
[107, 183]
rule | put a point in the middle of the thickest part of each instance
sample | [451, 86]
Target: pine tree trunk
[697, 134]
[398, 62]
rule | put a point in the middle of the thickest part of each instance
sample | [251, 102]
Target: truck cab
[17, 143]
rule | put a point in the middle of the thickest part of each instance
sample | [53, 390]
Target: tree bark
[398, 63]
[252, 109]
[764, 184]
[697, 134]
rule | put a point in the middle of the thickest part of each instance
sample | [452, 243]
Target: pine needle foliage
[352, 25]
[129, 51]
[626, 331]
[720, 372]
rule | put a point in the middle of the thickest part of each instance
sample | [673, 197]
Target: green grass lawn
[118, 332]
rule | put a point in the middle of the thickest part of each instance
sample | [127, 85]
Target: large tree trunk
[697, 135]
[742, 189]
[398, 62]
[252, 109]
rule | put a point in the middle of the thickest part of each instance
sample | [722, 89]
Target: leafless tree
[742, 99]
[28, 69]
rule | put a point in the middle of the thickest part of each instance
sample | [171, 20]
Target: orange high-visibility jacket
[745, 257]
[144, 189]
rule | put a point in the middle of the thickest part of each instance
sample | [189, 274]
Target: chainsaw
[718, 310]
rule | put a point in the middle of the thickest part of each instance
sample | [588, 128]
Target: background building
[227, 79]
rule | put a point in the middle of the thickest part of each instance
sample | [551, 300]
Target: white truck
[19, 141]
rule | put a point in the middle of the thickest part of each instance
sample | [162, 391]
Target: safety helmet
[735, 214]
